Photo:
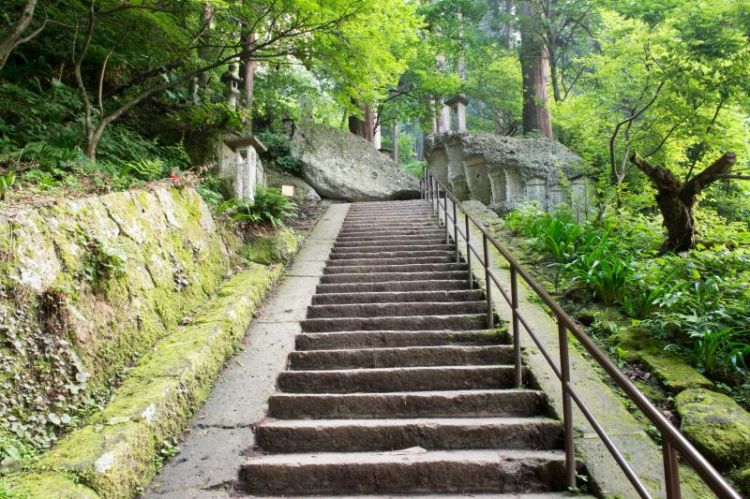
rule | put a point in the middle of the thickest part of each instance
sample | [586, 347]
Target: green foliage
[279, 154]
[6, 184]
[269, 206]
[145, 169]
[696, 302]
[104, 262]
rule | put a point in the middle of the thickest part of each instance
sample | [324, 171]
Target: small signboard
[287, 190]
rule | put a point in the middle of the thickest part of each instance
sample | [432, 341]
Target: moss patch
[44, 485]
[114, 454]
[278, 247]
[717, 425]
[636, 345]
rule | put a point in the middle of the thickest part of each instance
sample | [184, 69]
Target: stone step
[403, 217]
[399, 297]
[393, 247]
[394, 286]
[362, 226]
[417, 241]
[397, 379]
[406, 231]
[393, 276]
[397, 339]
[406, 267]
[418, 356]
[375, 310]
[341, 256]
[356, 262]
[412, 234]
[410, 323]
[541, 495]
[430, 238]
[404, 472]
[362, 435]
[516, 402]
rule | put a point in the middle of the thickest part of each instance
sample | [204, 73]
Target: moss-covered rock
[104, 277]
[44, 485]
[717, 425]
[741, 478]
[115, 453]
[635, 344]
[276, 247]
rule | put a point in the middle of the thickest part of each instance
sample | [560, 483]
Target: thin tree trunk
[13, 36]
[535, 73]
[676, 200]
[250, 67]
[394, 141]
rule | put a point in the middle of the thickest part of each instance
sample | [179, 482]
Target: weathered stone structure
[240, 167]
[503, 172]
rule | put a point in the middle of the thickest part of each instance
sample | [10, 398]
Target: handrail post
[570, 457]
[671, 470]
[468, 250]
[445, 218]
[488, 280]
[516, 330]
[455, 231]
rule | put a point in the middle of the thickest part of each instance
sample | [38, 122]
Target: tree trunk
[365, 127]
[676, 200]
[394, 141]
[535, 73]
[13, 35]
[250, 66]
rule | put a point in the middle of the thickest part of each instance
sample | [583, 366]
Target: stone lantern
[231, 80]
[240, 167]
[457, 107]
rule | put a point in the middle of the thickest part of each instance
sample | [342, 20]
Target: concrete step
[406, 267]
[397, 339]
[405, 472]
[404, 260]
[393, 247]
[399, 297]
[453, 403]
[414, 253]
[397, 379]
[394, 286]
[362, 435]
[393, 276]
[375, 310]
[410, 323]
[418, 356]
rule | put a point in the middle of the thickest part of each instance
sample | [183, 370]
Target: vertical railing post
[671, 470]
[488, 280]
[570, 457]
[468, 250]
[455, 230]
[445, 217]
[516, 329]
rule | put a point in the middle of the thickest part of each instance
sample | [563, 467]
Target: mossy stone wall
[86, 287]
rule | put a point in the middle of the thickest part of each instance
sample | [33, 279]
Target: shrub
[270, 206]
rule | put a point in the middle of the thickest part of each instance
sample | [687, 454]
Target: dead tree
[676, 199]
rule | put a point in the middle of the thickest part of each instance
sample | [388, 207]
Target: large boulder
[303, 192]
[504, 171]
[341, 165]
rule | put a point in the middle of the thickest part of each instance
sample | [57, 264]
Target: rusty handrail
[674, 443]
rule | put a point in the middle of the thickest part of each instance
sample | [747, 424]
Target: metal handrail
[674, 443]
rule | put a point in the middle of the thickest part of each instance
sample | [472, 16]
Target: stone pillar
[444, 118]
[458, 112]
[240, 168]
[231, 81]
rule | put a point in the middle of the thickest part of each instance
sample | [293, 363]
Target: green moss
[44, 485]
[635, 344]
[278, 247]
[111, 459]
[741, 477]
[717, 425]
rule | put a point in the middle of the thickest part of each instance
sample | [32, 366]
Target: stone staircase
[396, 386]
